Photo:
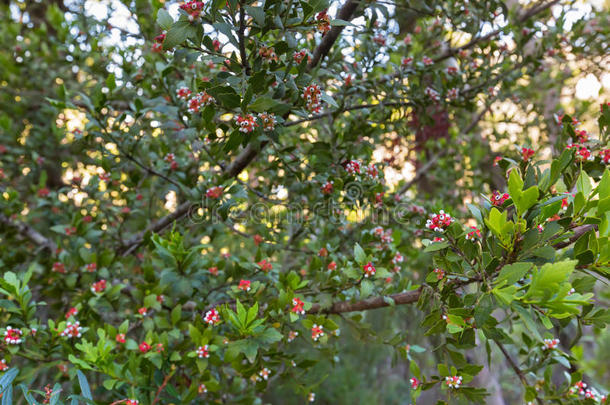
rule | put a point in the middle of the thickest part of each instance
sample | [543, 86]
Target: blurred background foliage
[53, 48]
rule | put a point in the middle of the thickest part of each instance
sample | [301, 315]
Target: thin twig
[515, 368]
[165, 381]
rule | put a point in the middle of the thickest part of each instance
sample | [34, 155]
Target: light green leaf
[583, 184]
[547, 280]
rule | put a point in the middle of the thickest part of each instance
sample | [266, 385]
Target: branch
[249, 153]
[407, 297]
[345, 13]
[242, 42]
[132, 243]
[165, 381]
[526, 16]
[350, 108]
[29, 232]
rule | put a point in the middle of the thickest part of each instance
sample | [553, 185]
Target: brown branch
[29, 232]
[163, 385]
[345, 13]
[407, 297]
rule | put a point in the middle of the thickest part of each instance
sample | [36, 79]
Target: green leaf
[7, 396]
[359, 255]
[512, 273]
[340, 23]
[505, 295]
[523, 200]
[268, 104]
[443, 370]
[241, 312]
[583, 184]
[176, 314]
[527, 319]
[547, 280]
[271, 335]
[176, 35]
[366, 288]
[7, 379]
[436, 246]
[111, 82]
[604, 185]
[84, 385]
[164, 19]
[258, 14]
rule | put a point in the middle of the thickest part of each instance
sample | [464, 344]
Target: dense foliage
[262, 202]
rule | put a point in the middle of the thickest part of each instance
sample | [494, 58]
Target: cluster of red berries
[526, 153]
[244, 285]
[453, 381]
[323, 21]
[193, 8]
[440, 273]
[353, 167]
[265, 266]
[439, 222]
[214, 192]
[298, 56]
[158, 45]
[312, 96]
[202, 351]
[198, 101]
[268, 121]
[498, 199]
[297, 306]
[369, 270]
[13, 336]
[550, 344]
[582, 152]
[433, 94]
[247, 123]
[473, 235]
[72, 330]
[212, 317]
[98, 287]
[268, 53]
[327, 187]
[316, 332]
